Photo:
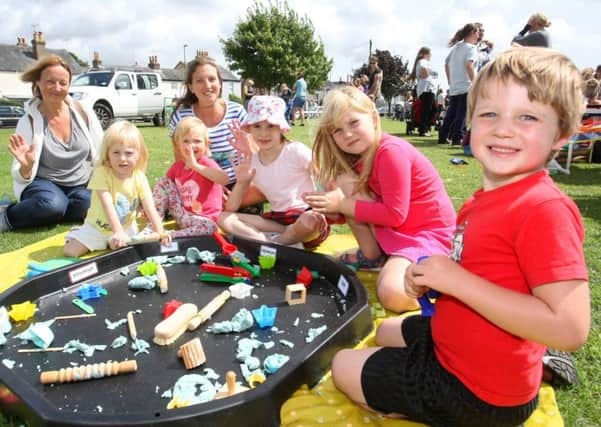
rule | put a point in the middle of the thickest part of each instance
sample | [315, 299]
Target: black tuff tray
[135, 399]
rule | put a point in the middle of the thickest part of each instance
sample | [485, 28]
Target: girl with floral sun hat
[281, 170]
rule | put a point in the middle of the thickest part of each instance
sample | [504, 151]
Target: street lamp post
[185, 46]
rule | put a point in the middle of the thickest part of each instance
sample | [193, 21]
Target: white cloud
[125, 32]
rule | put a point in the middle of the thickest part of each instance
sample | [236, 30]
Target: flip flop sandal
[363, 263]
[562, 368]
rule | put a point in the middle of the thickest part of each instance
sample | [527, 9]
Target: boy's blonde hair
[188, 124]
[127, 134]
[329, 160]
[549, 76]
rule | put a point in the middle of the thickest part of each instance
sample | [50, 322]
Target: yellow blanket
[322, 405]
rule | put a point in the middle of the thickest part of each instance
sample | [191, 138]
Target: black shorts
[411, 381]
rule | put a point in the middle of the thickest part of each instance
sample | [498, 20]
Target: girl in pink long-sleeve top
[390, 194]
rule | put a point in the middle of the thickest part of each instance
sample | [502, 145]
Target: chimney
[96, 62]
[39, 45]
[21, 42]
[153, 63]
[201, 53]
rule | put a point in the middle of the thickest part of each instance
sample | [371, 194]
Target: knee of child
[338, 365]
[74, 249]
[224, 219]
[392, 297]
[309, 220]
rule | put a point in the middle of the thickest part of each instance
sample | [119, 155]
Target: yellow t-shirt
[126, 193]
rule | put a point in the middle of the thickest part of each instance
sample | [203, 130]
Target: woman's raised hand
[23, 153]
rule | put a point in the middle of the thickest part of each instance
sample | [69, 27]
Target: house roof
[18, 59]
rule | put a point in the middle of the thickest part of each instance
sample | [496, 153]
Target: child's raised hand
[242, 139]
[189, 158]
[23, 153]
[242, 167]
[325, 202]
[118, 240]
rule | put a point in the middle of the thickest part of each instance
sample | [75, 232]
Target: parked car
[10, 115]
[115, 93]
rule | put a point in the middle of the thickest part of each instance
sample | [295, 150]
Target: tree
[396, 74]
[272, 44]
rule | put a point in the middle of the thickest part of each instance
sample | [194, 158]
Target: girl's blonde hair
[549, 76]
[127, 134]
[328, 159]
[185, 126]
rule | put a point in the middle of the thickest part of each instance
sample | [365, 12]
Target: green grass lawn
[579, 405]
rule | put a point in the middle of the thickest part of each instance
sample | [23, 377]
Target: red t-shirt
[518, 236]
[199, 195]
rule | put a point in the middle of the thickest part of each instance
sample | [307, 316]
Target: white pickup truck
[115, 93]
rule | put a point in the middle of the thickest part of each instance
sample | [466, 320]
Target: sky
[126, 32]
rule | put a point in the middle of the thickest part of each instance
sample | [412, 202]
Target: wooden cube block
[296, 294]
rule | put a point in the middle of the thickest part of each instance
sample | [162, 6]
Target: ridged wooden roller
[88, 372]
[192, 353]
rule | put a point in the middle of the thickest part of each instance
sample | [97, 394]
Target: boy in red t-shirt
[516, 281]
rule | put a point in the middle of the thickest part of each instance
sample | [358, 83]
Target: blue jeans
[454, 119]
[46, 203]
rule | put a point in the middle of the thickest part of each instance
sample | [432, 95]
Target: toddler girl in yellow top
[119, 186]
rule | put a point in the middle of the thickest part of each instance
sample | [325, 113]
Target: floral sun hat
[269, 108]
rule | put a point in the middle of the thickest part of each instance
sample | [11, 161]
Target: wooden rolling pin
[144, 238]
[208, 310]
[88, 372]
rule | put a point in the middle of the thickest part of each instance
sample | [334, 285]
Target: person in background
[484, 47]
[460, 68]
[203, 99]
[300, 98]
[358, 83]
[286, 95]
[425, 88]
[516, 282]
[191, 191]
[534, 32]
[375, 76]
[248, 91]
[591, 92]
[119, 188]
[587, 73]
[54, 148]
[391, 196]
